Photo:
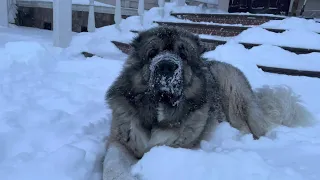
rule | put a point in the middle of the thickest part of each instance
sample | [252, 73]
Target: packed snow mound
[294, 23]
[186, 164]
[65, 162]
[53, 118]
[230, 155]
[260, 55]
[26, 54]
[303, 39]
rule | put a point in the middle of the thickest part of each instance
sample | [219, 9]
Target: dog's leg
[161, 137]
[184, 136]
[117, 162]
[236, 92]
[239, 101]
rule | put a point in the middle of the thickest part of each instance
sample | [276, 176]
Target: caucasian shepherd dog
[167, 94]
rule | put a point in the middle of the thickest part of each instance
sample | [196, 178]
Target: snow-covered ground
[53, 118]
[16, 34]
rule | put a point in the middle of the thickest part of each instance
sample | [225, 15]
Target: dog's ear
[201, 46]
[135, 43]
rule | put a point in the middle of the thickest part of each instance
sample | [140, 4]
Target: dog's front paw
[162, 137]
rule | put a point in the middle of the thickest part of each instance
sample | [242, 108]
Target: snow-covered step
[214, 29]
[212, 43]
[126, 48]
[228, 18]
[292, 72]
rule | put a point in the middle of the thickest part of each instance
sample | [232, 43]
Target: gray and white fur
[167, 94]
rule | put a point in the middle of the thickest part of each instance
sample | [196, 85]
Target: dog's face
[166, 64]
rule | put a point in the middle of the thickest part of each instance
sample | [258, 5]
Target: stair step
[291, 72]
[227, 18]
[211, 44]
[212, 29]
[125, 48]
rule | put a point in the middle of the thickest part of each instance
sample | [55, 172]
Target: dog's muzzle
[166, 75]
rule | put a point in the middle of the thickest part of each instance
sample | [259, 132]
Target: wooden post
[4, 13]
[91, 17]
[294, 7]
[290, 8]
[62, 23]
[303, 6]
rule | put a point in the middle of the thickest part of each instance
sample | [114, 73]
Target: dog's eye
[183, 55]
[152, 53]
[182, 52]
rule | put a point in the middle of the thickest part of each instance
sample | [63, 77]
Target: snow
[24, 34]
[54, 120]
[303, 33]
[81, 2]
[260, 55]
[283, 155]
[42, 118]
[294, 38]
[196, 9]
[294, 23]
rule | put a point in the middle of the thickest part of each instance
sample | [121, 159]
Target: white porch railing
[117, 14]
[4, 13]
[141, 10]
[91, 17]
[62, 18]
[62, 23]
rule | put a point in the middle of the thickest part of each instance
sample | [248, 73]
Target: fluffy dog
[167, 94]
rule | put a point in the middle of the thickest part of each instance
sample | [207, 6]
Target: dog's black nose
[166, 67]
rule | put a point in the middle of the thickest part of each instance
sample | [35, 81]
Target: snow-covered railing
[181, 2]
[62, 23]
[220, 4]
[141, 10]
[161, 7]
[213, 2]
[117, 15]
[91, 17]
[4, 13]
[12, 11]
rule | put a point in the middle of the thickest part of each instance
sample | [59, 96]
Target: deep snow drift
[53, 118]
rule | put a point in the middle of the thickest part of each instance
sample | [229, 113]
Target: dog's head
[167, 63]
